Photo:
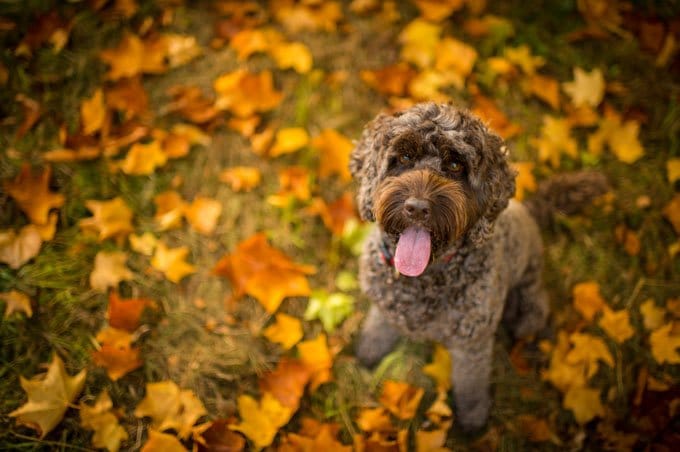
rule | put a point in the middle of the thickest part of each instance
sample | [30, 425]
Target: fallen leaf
[436, 11]
[555, 140]
[287, 331]
[431, 440]
[561, 373]
[673, 169]
[672, 212]
[32, 111]
[300, 16]
[245, 126]
[440, 367]
[616, 324]
[589, 350]
[664, 343]
[127, 96]
[536, 429]
[521, 56]
[287, 382]
[584, 403]
[170, 407]
[124, 60]
[48, 229]
[292, 55]
[587, 299]
[335, 215]
[110, 219]
[653, 316]
[419, 41]
[330, 308]
[16, 250]
[440, 412]
[203, 213]
[245, 94]
[323, 438]
[124, 313]
[260, 421]
[545, 88]
[628, 238]
[16, 301]
[93, 113]
[524, 181]
[109, 270]
[374, 420]
[241, 178]
[390, 80]
[400, 398]
[169, 210]
[190, 103]
[289, 140]
[108, 433]
[621, 138]
[116, 353]
[32, 194]
[249, 41]
[488, 111]
[587, 88]
[49, 396]
[315, 355]
[427, 84]
[171, 262]
[216, 436]
[454, 56]
[143, 159]
[180, 49]
[143, 244]
[334, 150]
[162, 442]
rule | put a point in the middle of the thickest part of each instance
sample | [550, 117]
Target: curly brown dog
[451, 248]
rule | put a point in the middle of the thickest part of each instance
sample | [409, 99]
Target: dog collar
[387, 258]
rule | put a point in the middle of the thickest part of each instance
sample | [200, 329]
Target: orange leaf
[128, 96]
[334, 149]
[486, 109]
[438, 10]
[616, 324]
[162, 441]
[664, 343]
[390, 80]
[32, 194]
[169, 210]
[245, 94]
[400, 398]
[126, 59]
[584, 403]
[525, 180]
[287, 382]
[317, 358]
[289, 140]
[587, 299]
[292, 55]
[191, 104]
[545, 88]
[111, 219]
[124, 313]
[241, 178]
[299, 16]
[336, 214]
[374, 420]
[118, 358]
[294, 182]
[143, 159]
[203, 213]
[93, 113]
[217, 436]
[171, 262]
[261, 421]
[440, 367]
[287, 331]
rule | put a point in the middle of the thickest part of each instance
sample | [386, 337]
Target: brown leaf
[16, 301]
[16, 250]
[287, 382]
[128, 96]
[190, 103]
[124, 313]
[216, 436]
[118, 357]
[32, 112]
[32, 194]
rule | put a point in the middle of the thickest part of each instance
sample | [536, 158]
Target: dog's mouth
[413, 251]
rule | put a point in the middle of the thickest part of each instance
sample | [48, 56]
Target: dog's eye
[456, 167]
[405, 159]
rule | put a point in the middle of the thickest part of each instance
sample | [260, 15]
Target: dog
[452, 249]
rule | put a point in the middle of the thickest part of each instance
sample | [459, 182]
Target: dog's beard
[449, 217]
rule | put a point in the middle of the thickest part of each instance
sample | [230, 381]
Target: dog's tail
[565, 193]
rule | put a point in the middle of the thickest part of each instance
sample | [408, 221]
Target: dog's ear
[493, 186]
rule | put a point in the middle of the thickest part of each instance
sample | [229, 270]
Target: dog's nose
[417, 209]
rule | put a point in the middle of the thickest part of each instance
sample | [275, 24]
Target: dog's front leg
[470, 378]
[377, 338]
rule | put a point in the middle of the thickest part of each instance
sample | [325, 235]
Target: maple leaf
[16, 302]
[170, 408]
[250, 41]
[673, 169]
[109, 270]
[621, 137]
[331, 308]
[334, 150]
[169, 210]
[111, 219]
[419, 41]
[555, 139]
[171, 262]
[616, 324]
[162, 441]
[317, 358]
[652, 315]
[522, 57]
[587, 89]
[587, 299]
[298, 16]
[241, 178]
[287, 382]
[116, 353]
[127, 96]
[335, 215]
[293, 55]
[260, 421]
[49, 396]
[93, 113]
[203, 213]
[454, 56]
[584, 403]
[191, 104]
[400, 398]
[143, 159]
[245, 94]
[426, 85]
[664, 342]
[589, 350]
[319, 437]
[561, 373]
[374, 420]
[486, 109]
[391, 80]
[48, 229]
[287, 331]
[124, 60]
[525, 180]
[124, 313]
[265, 273]
[440, 367]
[545, 88]
[108, 433]
[436, 11]
[32, 111]
[289, 140]
[672, 212]
[180, 49]
[16, 250]
[245, 126]
[143, 244]
[217, 436]
[32, 194]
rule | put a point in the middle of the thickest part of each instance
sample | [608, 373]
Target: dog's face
[429, 176]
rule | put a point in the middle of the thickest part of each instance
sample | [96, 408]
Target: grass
[221, 363]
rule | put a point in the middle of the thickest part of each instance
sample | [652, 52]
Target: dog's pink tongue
[413, 251]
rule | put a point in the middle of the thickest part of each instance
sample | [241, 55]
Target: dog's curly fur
[486, 249]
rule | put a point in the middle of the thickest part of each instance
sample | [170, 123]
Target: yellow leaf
[32, 194]
[293, 55]
[562, 374]
[334, 150]
[171, 262]
[287, 331]
[126, 59]
[440, 412]
[587, 299]
[109, 218]
[48, 229]
[289, 140]
[456, 56]
[143, 159]
[438, 10]
[169, 210]
[312, 16]
[261, 421]
[374, 420]
[440, 367]
[245, 94]
[616, 324]
[93, 113]
[587, 89]
[426, 85]
[143, 244]
[170, 408]
[108, 433]
[589, 350]
[400, 398]
[162, 442]
[203, 213]
[664, 342]
[672, 212]
[180, 49]
[525, 181]
[49, 396]
[673, 169]
[621, 138]
[109, 270]
[653, 316]
[419, 39]
[545, 88]
[241, 178]
[432, 440]
[316, 356]
[390, 80]
[249, 41]
[555, 140]
[521, 56]
[16, 302]
[584, 403]
[16, 250]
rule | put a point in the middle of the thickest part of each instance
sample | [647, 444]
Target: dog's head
[429, 176]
